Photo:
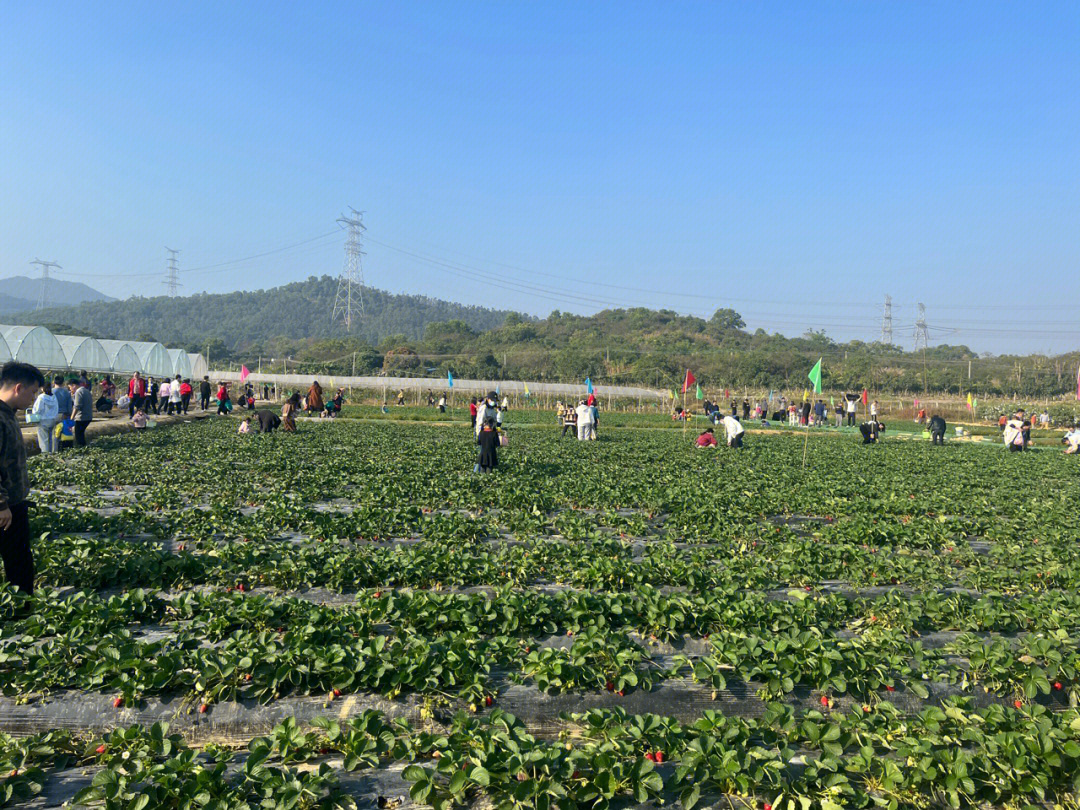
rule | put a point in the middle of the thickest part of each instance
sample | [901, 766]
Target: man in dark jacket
[870, 431]
[204, 393]
[19, 385]
[937, 429]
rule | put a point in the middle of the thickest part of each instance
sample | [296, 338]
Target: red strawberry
[576, 775]
[488, 700]
[100, 749]
[659, 756]
[240, 587]
[1058, 686]
[1018, 703]
[118, 702]
[649, 755]
[825, 700]
[621, 692]
[890, 688]
[808, 589]
[873, 618]
[204, 708]
[866, 709]
[609, 686]
[377, 595]
[337, 693]
[247, 677]
[569, 632]
[766, 806]
[180, 547]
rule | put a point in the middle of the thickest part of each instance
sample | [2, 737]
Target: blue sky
[796, 162]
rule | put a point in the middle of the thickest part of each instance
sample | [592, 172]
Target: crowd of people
[579, 420]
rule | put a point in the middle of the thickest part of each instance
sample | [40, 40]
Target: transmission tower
[349, 301]
[886, 321]
[43, 294]
[172, 278]
[922, 332]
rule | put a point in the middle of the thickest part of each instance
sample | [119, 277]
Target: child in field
[489, 446]
[139, 419]
[245, 425]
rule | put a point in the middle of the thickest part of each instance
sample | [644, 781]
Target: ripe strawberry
[866, 709]
[621, 692]
[873, 618]
[766, 806]
[609, 686]
[825, 700]
[488, 700]
[569, 632]
[180, 547]
[247, 677]
[14, 773]
[377, 595]
[337, 693]
[204, 708]
[118, 702]
[650, 756]
[659, 757]
[808, 589]
[890, 688]
[1058, 686]
[240, 587]
[576, 775]
[100, 749]
[1018, 703]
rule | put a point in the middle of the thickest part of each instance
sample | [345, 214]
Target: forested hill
[298, 311]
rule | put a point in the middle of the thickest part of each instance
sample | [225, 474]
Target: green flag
[700, 393]
[815, 376]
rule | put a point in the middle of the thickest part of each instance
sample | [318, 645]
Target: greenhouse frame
[40, 347]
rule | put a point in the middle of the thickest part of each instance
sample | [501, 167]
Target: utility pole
[172, 277]
[43, 293]
[886, 321]
[349, 300]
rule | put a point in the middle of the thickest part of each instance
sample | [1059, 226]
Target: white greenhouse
[84, 354]
[199, 368]
[35, 344]
[154, 359]
[122, 357]
[181, 363]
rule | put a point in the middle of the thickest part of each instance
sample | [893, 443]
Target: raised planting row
[953, 756]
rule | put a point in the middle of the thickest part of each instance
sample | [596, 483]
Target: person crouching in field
[870, 431]
[706, 439]
[734, 430]
[489, 446]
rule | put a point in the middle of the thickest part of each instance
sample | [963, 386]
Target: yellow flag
[526, 387]
[805, 394]
[969, 399]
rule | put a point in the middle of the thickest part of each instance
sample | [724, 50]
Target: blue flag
[588, 384]
[770, 396]
[450, 379]
[497, 387]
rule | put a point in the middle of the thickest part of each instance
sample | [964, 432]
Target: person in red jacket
[707, 439]
[223, 404]
[136, 393]
[185, 395]
[472, 412]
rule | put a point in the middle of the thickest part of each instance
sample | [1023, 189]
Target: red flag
[690, 380]
[244, 373]
[864, 397]
[726, 394]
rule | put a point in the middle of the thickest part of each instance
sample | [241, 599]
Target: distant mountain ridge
[300, 310]
[21, 293]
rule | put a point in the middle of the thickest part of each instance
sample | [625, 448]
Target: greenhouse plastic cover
[122, 357]
[84, 353]
[36, 345]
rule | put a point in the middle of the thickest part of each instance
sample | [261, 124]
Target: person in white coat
[734, 430]
[46, 411]
[586, 426]
[484, 410]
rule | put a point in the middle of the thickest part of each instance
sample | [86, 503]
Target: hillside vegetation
[413, 335]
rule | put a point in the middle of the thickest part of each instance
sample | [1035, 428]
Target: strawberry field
[349, 616]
